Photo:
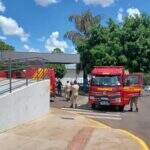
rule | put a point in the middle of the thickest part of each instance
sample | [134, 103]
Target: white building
[71, 75]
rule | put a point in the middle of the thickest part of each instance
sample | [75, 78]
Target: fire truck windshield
[105, 81]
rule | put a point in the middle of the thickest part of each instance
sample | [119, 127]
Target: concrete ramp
[24, 104]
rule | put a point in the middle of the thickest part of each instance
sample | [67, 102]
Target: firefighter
[67, 90]
[59, 87]
[134, 100]
[74, 94]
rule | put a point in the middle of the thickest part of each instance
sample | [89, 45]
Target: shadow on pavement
[102, 109]
[60, 102]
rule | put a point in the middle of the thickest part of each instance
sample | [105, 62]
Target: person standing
[67, 91]
[75, 93]
[59, 87]
[134, 100]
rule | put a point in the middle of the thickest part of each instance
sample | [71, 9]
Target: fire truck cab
[113, 86]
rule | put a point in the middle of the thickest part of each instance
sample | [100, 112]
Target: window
[105, 81]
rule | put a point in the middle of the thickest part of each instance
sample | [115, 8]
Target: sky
[40, 25]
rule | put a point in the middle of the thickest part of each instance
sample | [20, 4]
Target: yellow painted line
[42, 73]
[45, 72]
[98, 124]
[35, 76]
[135, 138]
[39, 73]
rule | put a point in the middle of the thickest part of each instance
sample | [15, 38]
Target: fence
[13, 73]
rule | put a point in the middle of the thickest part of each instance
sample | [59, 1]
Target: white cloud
[45, 3]
[53, 42]
[30, 49]
[42, 39]
[2, 7]
[3, 37]
[10, 27]
[120, 15]
[103, 3]
[26, 46]
[132, 12]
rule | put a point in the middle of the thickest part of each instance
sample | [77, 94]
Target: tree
[83, 24]
[60, 69]
[147, 79]
[57, 50]
[136, 42]
[5, 47]
[126, 44]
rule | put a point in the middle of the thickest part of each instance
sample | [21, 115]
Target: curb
[135, 138]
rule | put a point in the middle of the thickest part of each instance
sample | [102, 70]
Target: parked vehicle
[34, 73]
[113, 86]
[43, 73]
[147, 88]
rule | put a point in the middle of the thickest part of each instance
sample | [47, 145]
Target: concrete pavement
[136, 123]
[61, 130]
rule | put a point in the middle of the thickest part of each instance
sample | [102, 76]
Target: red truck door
[132, 86]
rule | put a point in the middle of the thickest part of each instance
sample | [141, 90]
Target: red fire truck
[34, 73]
[113, 86]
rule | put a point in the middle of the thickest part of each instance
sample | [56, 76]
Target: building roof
[48, 57]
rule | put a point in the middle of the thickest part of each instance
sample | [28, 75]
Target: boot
[130, 110]
[137, 109]
[75, 105]
[71, 106]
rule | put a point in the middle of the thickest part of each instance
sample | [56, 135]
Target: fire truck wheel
[93, 106]
[120, 108]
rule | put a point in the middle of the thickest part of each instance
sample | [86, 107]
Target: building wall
[71, 76]
[24, 104]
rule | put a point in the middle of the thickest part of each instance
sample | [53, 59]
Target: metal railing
[13, 73]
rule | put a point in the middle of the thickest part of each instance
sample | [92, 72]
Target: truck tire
[93, 106]
[119, 108]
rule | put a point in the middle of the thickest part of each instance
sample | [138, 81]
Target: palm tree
[83, 24]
